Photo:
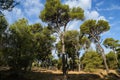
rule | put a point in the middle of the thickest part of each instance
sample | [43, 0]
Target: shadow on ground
[10, 75]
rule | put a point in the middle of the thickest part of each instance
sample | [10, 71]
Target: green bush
[91, 60]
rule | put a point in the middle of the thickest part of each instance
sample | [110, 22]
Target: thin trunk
[104, 58]
[102, 52]
[63, 44]
[78, 58]
[79, 67]
[63, 55]
[30, 66]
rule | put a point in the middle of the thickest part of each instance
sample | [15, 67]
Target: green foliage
[118, 59]
[59, 65]
[102, 26]
[18, 52]
[87, 26]
[84, 42]
[56, 17]
[118, 56]
[94, 28]
[114, 45]
[91, 61]
[54, 62]
[71, 42]
[111, 60]
[60, 15]
[24, 43]
[3, 25]
[1, 59]
[7, 4]
[111, 43]
[43, 43]
[76, 13]
[72, 45]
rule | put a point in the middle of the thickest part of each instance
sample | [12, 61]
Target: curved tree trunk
[104, 57]
[102, 52]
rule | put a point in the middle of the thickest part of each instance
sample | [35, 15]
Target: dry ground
[42, 74]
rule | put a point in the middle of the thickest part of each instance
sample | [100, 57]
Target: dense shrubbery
[23, 43]
[91, 61]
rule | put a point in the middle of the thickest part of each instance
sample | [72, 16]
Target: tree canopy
[114, 45]
[111, 59]
[92, 29]
[61, 14]
[7, 4]
[24, 45]
[111, 43]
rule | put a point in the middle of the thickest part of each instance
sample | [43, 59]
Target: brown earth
[42, 74]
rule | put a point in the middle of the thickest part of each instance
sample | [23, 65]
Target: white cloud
[113, 7]
[84, 4]
[102, 18]
[93, 46]
[93, 15]
[73, 25]
[15, 14]
[100, 3]
[33, 7]
[111, 18]
[30, 10]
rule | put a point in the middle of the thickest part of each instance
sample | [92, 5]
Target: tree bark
[104, 57]
[63, 55]
[102, 52]
[79, 65]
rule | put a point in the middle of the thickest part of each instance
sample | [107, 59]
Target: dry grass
[99, 74]
[42, 74]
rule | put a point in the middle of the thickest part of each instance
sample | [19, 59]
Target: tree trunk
[63, 55]
[79, 66]
[104, 57]
[63, 44]
[102, 52]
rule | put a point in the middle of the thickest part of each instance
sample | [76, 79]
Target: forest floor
[42, 74]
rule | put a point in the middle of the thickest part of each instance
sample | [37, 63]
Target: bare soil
[43, 74]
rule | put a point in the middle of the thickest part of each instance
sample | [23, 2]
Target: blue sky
[94, 9]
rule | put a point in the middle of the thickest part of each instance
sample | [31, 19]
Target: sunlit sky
[94, 9]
